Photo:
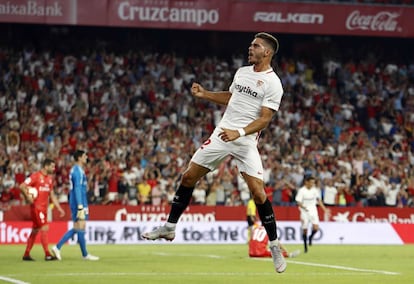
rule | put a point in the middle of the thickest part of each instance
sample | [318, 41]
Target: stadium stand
[122, 94]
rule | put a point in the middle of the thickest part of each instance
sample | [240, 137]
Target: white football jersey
[308, 197]
[250, 92]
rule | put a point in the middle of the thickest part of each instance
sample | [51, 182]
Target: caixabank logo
[358, 216]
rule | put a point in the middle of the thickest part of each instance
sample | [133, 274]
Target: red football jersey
[258, 243]
[43, 184]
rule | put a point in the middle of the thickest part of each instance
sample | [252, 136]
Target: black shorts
[250, 221]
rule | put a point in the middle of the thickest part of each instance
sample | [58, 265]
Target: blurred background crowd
[347, 114]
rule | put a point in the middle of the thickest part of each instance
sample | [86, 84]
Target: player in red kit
[41, 182]
[259, 244]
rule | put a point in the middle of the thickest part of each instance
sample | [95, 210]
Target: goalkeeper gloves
[81, 213]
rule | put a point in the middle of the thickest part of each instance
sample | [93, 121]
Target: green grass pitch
[176, 263]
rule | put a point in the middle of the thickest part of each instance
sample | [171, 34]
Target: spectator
[392, 192]
[144, 191]
[216, 195]
[361, 190]
[288, 194]
[200, 192]
[122, 187]
[330, 193]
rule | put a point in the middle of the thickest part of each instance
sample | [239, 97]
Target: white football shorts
[309, 217]
[243, 150]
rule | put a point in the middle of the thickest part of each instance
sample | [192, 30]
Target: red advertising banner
[39, 11]
[324, 19]
[236, 15]
[406, 232]
[19, 232]
[223, 213]
[172, 14]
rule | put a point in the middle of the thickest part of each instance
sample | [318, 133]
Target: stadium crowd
[348, 121]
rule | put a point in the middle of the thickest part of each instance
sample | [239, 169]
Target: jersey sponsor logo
[44, 188]
[246, 90]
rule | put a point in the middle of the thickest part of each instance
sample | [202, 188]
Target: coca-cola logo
[382, 21]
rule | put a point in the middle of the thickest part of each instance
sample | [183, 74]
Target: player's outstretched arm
[221, 98]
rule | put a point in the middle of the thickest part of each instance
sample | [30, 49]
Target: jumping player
[252, 99]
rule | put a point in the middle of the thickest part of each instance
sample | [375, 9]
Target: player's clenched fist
[81, 213]
[197, 90]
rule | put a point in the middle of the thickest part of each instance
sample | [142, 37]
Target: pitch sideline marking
[15, 281]
[11, 280]
[345, 267]
[155, 274]
[303, 263]
[339, 267]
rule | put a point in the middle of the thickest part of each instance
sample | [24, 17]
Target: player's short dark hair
[309, 177]
[271, 40]
[47, 162]
[77, 154]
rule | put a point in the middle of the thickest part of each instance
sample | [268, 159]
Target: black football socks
[180, 202]
[267, 217]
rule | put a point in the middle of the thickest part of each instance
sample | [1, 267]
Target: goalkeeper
[78, 203]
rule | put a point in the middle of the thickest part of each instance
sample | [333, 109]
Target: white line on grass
[156, 274]
[11, 280]
[339, 267]
[345, 267]
[183, 273]
[297, 262]
[181, 254]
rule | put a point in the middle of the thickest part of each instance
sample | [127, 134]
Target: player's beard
[254, 59]
[251, 58]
